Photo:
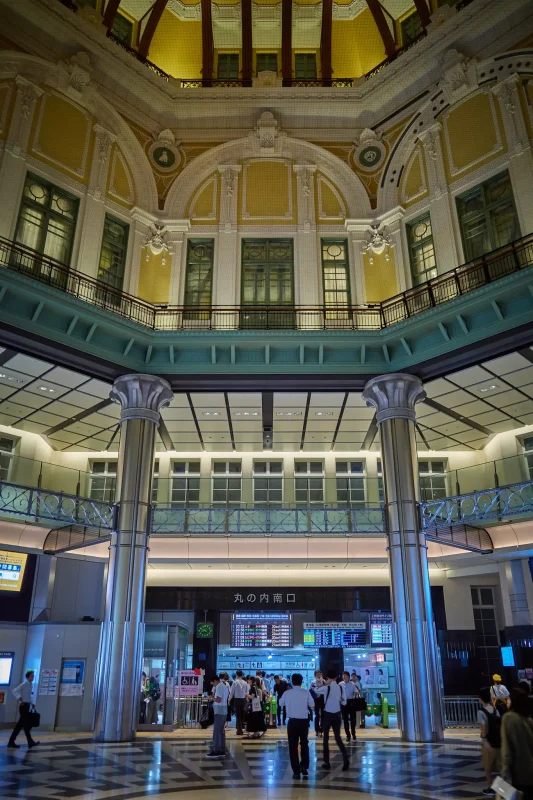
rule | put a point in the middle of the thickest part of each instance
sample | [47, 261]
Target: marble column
[119, 666]
[394, 397]
[13, 167]
[442, 226]
[308, 264]
[92, 220]
[521, 156]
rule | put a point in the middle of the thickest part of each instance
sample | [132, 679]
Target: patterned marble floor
[175, 767]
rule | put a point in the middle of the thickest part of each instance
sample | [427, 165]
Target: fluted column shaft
[415, 649]
[119, 667]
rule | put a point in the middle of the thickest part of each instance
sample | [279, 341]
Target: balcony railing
[239, 82]
[490, 505]
[457, 282]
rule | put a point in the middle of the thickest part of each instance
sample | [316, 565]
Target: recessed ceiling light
[489, 388]
[46, 389]
[246, 413]
[211, 413]
[323, 413]
[288, 413]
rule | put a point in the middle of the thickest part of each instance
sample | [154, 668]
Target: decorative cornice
[394, 396]
[141, 396]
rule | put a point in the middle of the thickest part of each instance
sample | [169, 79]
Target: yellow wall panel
[7, 99]
[267, 193]
[154, 277]
[63, 135]
[380, 277]
[357, 46]
[328, 204]
[526, 99]
[414, 182]
[119, 180]
[204, 203]
[177, 46]
[474, 133]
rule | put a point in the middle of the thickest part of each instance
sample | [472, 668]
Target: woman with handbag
[255, 722]
[517, 745]
[24, 694]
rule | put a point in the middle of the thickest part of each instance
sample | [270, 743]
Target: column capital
[394, 396]
[141, 396]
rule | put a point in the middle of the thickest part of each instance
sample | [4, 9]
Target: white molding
[36, 147]
[321, 213]
[244, 213]
[213, 213]
[417, 153]
[454, 169]
[112, 191]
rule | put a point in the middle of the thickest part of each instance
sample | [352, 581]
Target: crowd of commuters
[506, 725]
[331, 702]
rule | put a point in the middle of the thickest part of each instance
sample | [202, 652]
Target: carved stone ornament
[394, 396]
[76, 72]
[229, 178]
[378, 242]
[164, 152]
[460, 75]
[141, 396]
[369, 151]
[267, 131]
[157, 242]
[28, 95]
[103, 141]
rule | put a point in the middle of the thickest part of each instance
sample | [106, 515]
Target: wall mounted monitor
[334, 634]
[261, 630]
[12, 566]
[381, 630]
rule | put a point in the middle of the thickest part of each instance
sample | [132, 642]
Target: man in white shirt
[360, 715]
[319, 702]
[238, 694]
[298, 702]
[24, 694]
[220, 709]
[348, 711]
[333, 693]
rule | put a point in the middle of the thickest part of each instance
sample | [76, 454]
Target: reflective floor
[175, 766]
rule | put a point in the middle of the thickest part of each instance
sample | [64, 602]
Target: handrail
[462, 280]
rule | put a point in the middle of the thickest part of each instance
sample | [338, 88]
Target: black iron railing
[457, 282]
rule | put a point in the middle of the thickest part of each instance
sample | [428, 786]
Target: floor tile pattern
[252, 769]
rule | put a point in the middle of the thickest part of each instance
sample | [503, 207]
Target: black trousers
[22, 723]
[333, 721]
[349, 716]
[297, 734]
[239, 704]
[319, 713]
[284, 710]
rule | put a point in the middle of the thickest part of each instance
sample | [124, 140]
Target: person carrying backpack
[490, 727]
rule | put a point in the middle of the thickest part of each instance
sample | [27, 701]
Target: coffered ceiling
[72, 411]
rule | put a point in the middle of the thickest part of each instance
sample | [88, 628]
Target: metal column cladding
[119, 666]
[420, 716]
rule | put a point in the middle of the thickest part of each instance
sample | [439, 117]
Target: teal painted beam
[465, 322]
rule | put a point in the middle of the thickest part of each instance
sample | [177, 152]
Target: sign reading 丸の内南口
[72, 678]
[190, 683]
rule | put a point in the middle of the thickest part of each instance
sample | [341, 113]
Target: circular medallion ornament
[370, 157]
[164, 156]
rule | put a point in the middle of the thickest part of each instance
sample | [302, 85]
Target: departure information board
[381, 629]
[261, 630]
[334, 634]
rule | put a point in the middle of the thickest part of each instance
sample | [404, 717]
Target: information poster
[72, 673]
[48, 682]
[190, 683]
[6, 667]
[12, 566]
[381, 629]
[375, 678]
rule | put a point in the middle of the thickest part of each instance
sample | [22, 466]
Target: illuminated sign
[261, 630]
[334, 634]
[381, 629]
[12, 566]
[6, 666]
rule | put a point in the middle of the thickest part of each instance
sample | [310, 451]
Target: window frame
[405, 37]
[350, 476]
[306, 57]
[8, 455]
[345, 263]
[428, 491]
[268, 475]
[226, 476]
[106, 474]
[125, 226]
[195, 311]
[187, 476]
[267, 264]
[487, 212]
[48, 214]
[266, 69]
[222, 58]
[417, 279]
[124, 19]
[307, 476]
